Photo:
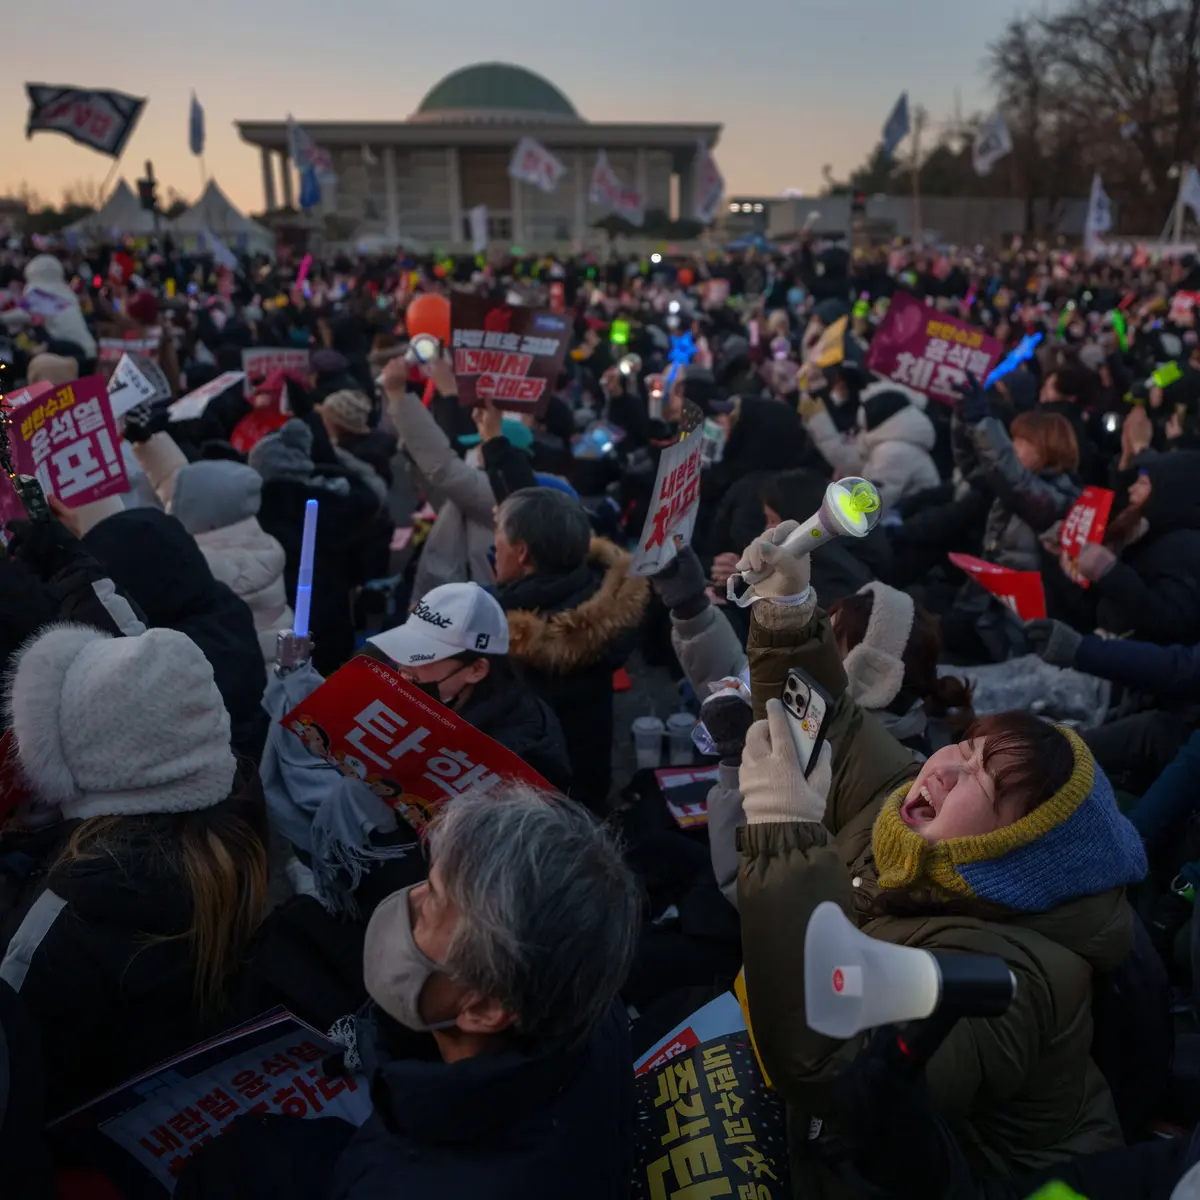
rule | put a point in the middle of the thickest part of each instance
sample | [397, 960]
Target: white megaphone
[853, 982]
[850, 508]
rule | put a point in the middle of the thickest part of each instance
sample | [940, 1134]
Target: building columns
[268, 180]
[518, 230]
[687, 189]
[454, 187]
[285, 168]
[642, 178]
[390, 193]
[582, 187]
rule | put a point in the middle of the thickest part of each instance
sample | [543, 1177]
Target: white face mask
[395, 968]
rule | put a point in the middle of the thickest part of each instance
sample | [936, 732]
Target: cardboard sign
[260, 361]
[68, 440]
[150, 1126]
[1022, 591]
[412, 752]
[705, 1124]
[136, 381]
[506, 354]
[191, 406]
[19, 396]
[718, 1018]
[673, 509]
[147, 342]
[929, 351]
[1086, 522]
[685, 792]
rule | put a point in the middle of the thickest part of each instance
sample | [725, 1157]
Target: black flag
[102, 120]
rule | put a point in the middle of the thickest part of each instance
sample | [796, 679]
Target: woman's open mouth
[919, 807]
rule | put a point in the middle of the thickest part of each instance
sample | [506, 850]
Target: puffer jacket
[1020, 1091]
[44, 271]
[1025, 504]
[894, 456]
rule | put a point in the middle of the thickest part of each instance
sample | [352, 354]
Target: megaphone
[850, 508]
[853, 982]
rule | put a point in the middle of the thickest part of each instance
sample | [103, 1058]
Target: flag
[196, 127]
[306, 153]
[708, 186]
[532, 163]
[607, 192]
[478, 218]
[1099, 214]
[101, 120]
[897, 127]
[310, 188]
[222, 255]
[992, 143]
[1189, 192]
[368, 157]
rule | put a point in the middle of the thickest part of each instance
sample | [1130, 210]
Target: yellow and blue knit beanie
[1075, 844]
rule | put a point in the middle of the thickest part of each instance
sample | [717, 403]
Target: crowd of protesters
[182, 862]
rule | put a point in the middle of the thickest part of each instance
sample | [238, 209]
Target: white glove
[787, 574]
[774, 789]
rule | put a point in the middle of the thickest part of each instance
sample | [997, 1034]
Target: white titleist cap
[449, 620]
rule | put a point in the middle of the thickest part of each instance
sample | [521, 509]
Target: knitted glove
[728, 718]
[45, 547]
[772, 781]
[1095, 562]
[974, 405]
[681, 583]
[787, 574]
[144, 420]
[1055, 642]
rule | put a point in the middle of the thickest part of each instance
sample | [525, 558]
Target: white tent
[214, 215]
[121, 216]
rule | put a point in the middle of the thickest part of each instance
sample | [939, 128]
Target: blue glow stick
[304, 581]
[1024, 352]
[683, 349]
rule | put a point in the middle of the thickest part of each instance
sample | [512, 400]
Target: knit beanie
[143, 308]
[212, 494]
[350, 410]
[1075, 844]
[51, 368]
[119, 726]
[875, 667]
[285, 454]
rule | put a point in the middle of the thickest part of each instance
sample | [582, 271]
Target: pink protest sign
[68, 440]
[930, 351]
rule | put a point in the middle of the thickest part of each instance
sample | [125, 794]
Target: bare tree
[83, 193]
[29, 196]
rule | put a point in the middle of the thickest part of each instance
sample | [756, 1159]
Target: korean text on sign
[676, 499]
[1086, 522]
[68, 440]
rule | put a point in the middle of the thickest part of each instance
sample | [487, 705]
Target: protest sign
[411, 751]
[147, 1129]
[504, 353]
[718, 1018]
[146, 341]
[260, 361]
[706, 1124]
[68, 440]
[532, 163]
[38, 302]
[19, 396]
[674, 504]
[1183, 307]
[135, 381]
[930, 351]
[1086, 522]
[191, 406]
[1022, 591]
[685, 792]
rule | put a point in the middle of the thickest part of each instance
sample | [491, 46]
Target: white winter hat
[119, 726]
[875, 667]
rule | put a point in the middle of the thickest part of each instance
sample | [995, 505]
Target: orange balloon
[429, 313]
[686, 277]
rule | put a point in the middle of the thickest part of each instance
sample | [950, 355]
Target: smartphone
[33, 498]
[808, 708]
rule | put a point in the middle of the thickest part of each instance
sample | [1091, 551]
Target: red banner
[1022, 591]
[930, 351]
[1086, 522]
[412, 752]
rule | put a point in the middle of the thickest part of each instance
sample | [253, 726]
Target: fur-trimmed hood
[572, 638]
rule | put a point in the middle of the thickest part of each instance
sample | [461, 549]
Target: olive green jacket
[1020, 1091]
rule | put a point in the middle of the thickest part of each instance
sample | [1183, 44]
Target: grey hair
[552, 524]
[548, 912]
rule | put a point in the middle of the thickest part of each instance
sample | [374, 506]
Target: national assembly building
[417, 180]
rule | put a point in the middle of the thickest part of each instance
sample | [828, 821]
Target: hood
[1174, 499]
[45, 271]
[768, 436]
[909, 425]
[558, 643]
[213, 493]
[243, 556]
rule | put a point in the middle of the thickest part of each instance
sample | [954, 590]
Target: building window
[499, 228]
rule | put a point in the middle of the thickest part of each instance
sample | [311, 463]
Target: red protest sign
[412, 752]
[505, 354]
[1022, 591]
[673, 510]
[1183, 307]
[68, 440]
[145, 341]
[1086, 522]
[930, 351]
[259, 361]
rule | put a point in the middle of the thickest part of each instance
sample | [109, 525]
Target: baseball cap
[455, 618]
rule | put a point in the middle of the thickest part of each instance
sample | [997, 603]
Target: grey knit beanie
[285, 454]
[214, 493]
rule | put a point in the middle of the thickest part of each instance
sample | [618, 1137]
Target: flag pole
[1184, 168]
[203, 174]
[918, 121]
[116, 162]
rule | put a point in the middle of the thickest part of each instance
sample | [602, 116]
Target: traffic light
[858, 204]
[148, 189]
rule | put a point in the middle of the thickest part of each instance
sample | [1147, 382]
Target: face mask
[394, 968]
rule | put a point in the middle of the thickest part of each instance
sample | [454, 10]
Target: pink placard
[68, 440]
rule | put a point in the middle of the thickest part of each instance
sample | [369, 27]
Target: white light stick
[304, 578]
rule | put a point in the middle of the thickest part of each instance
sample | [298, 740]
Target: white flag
[1099, 214]
[368, 156]
[532, 163]
[607, 192]
[222, 255]
[1189, 193]
[708, 186]
[992, 143]
[478, 218]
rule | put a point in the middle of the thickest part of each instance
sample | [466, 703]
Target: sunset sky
[796, 83]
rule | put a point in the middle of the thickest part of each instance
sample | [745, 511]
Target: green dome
[495, 89]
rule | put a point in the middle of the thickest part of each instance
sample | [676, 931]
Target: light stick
[304, 580]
